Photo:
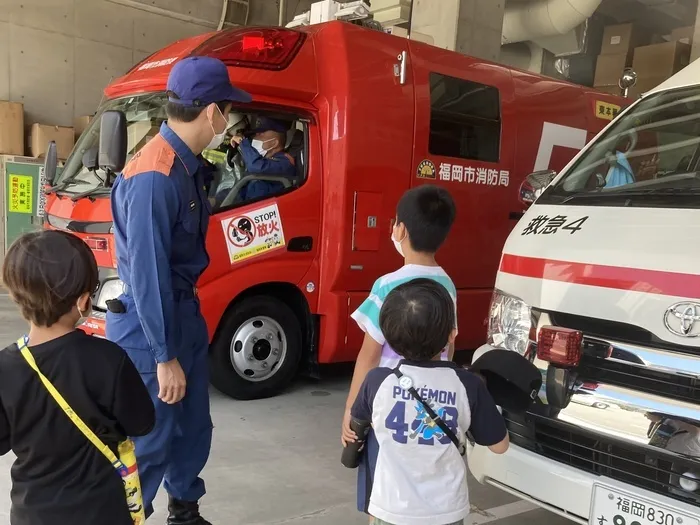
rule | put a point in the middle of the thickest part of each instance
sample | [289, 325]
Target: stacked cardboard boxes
[656, 63]
[616, 54]
[684, 35]
[80, 124]
[42, 134]
[12, 133]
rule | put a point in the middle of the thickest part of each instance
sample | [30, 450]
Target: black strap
[437, 419]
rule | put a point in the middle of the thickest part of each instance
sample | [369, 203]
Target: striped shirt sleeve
[367, 314]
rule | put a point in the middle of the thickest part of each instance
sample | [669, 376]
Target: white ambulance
[599, 285]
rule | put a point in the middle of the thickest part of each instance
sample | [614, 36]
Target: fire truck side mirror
[50, 163]
[113, 141]
[534, 184]
[90, 159]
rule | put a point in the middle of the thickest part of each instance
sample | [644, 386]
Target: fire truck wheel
[257, 351]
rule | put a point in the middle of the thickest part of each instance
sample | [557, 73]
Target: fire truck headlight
[510, 323]
[110, 290]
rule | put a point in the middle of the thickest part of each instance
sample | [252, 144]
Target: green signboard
[24, 196]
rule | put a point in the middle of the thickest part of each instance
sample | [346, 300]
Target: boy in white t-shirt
[412, 471]
[424, 217]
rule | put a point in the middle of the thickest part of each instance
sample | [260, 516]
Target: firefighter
[265, 155]
[161, 214]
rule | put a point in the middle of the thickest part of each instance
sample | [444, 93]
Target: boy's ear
[84, 301]
[453, 336]
[401, 231]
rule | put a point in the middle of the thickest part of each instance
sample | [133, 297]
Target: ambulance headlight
[510, 323]
[110, 290]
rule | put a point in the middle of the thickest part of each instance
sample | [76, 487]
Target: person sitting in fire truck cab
[265, 155]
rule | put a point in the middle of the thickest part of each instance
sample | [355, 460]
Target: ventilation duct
[544, 18]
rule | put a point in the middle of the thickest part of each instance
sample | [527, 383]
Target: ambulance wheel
[258, 349]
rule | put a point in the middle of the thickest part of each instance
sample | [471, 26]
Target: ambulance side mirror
[534, 184]
[50, 163]
[113, 141]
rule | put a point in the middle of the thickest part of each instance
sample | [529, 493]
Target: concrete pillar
[471, 27]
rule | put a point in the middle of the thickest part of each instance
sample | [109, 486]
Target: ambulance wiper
[656, 191]
[633, 193]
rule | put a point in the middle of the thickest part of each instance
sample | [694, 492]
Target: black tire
[223, 375]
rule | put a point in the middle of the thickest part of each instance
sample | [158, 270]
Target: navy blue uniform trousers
[177, 450]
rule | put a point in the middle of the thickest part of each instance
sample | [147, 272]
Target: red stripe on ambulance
[602, 276]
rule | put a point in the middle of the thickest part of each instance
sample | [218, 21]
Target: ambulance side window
[465, 119]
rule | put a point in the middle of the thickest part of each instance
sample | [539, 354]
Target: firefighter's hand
[236, 140]
[347, 435]
[172, 382]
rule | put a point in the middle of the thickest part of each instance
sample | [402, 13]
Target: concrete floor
[277, 461]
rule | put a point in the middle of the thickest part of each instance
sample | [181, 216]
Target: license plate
[614, 507]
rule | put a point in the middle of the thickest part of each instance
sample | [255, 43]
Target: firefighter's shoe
[184, 513]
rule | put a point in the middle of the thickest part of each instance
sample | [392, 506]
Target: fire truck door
[375, 126]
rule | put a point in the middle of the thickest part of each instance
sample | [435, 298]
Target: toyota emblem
[682, 319]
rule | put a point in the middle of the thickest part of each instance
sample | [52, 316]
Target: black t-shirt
[59, 476]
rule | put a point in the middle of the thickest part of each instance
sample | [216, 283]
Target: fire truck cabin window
[465, 119]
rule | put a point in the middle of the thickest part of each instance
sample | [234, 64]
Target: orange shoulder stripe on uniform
[290, 158]
[156, 155]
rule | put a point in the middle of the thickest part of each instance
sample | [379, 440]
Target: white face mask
[397, 245]
[218, 138]
[259, 146]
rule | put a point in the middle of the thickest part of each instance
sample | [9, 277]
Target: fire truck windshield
[649, 156]
[144, 115]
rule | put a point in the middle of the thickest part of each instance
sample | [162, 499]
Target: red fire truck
[371, 115]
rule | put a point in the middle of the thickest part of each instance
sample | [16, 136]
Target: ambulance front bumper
[603, 431]
[556, 487]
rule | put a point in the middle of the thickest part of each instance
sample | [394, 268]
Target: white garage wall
[56, 56]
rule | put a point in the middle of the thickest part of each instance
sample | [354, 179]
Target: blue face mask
[620, 174]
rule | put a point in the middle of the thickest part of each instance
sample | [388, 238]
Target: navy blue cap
[269, 124]
[200, 81]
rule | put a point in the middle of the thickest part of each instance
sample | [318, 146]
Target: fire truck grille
[642, 466]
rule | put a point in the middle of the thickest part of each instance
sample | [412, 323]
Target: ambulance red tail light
[97, 243]
[271, 48]
[560, 346]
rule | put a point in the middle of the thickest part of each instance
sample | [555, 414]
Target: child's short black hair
[417, 318]
[46, 273]
[428, 212]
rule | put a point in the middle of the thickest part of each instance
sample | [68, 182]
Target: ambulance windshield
[649, 156]
[144, 115]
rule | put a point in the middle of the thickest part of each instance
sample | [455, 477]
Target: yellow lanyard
[116, 463]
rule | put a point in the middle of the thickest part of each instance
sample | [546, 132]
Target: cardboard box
[622, 39]
[42, 134]
[643, 85]
[660, 60]
[80, 124]
[609, 68]
[683, 35]
[11, 128]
